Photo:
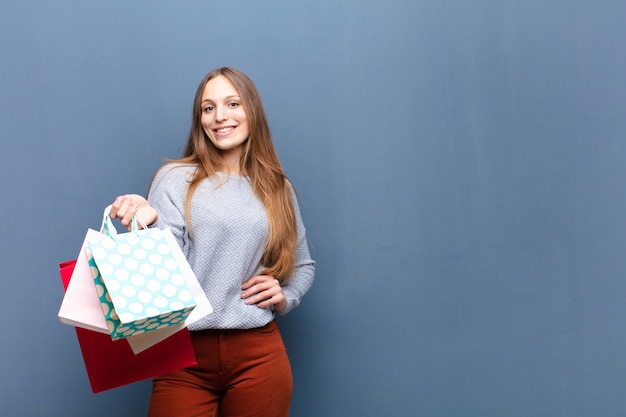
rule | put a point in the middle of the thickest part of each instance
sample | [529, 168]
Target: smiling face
[223, 117]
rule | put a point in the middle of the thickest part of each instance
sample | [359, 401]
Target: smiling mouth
[224, 129]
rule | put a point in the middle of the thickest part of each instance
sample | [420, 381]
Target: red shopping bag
[112, 364]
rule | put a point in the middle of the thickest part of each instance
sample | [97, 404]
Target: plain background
[460, 166]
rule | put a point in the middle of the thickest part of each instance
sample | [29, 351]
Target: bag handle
[108, 228]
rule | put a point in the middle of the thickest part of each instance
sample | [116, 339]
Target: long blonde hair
[259, 163]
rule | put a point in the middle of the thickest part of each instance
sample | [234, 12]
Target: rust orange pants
[240, 373]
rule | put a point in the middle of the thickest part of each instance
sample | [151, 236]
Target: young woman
[236, 218]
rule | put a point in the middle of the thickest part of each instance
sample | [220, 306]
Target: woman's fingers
[264, 291]
[127, 206]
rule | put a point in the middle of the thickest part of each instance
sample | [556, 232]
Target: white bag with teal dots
[140, 283]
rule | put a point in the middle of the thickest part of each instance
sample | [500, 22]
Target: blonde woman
[236, 218]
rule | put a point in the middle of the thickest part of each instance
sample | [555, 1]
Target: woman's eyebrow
[225, 98]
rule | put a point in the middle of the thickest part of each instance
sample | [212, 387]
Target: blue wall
[461, 172]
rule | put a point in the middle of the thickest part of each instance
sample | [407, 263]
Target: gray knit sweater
[229, 228]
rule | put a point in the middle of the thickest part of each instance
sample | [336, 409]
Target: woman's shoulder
[174, 170]
[174, 173]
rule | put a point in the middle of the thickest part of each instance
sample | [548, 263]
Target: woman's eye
[208, 108]
[233, 104]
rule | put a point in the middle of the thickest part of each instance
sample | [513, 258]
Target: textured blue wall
[461, 172]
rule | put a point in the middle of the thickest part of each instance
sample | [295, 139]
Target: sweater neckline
[224, 175]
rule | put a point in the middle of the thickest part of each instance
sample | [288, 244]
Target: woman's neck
[231, 163]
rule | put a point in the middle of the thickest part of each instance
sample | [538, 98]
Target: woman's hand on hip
[125, 207]
[264, 291]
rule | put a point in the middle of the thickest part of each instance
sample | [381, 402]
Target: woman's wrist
[280, 306]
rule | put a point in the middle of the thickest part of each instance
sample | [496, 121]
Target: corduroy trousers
[240, 373]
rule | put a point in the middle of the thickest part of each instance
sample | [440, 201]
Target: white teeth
[224, 129]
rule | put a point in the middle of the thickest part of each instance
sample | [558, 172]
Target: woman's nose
[220, 114]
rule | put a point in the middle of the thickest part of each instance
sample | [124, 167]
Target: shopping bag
[81, 306]
[140, 283]
[112, 364]
[81, 303]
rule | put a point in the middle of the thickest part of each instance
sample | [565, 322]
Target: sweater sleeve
[167, 195]
[303, 276]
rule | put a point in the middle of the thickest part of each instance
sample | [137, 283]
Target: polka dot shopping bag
[140, 282]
